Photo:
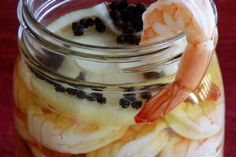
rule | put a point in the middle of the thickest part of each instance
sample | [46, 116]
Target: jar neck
[146, 70]
[49, 52]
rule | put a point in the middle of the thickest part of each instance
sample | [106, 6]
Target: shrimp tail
[188, 78]
[162, 103]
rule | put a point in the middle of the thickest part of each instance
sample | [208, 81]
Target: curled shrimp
[70, 135]
[138, 141]
[166, 18]
[183, 147]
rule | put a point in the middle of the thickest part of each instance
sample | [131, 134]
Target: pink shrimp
[166, 18]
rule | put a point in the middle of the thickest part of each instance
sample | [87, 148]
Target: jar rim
[28, 21]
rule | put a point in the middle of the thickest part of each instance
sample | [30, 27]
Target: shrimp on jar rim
[166, 18]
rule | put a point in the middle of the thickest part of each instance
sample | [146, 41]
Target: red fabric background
[8, 50]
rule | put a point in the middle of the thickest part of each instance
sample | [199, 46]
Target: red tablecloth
[8, 48]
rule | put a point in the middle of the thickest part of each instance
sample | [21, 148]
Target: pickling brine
[118, 79]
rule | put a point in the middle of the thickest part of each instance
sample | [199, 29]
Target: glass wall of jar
[79, 99]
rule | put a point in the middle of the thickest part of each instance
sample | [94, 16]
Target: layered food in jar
[56, 118]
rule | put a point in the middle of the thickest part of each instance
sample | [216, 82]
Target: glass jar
[74, 99]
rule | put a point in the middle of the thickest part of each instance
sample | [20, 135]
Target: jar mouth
[28, 21]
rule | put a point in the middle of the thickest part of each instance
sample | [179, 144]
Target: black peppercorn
[124, 103]
[128, 28]
[101, 100]
[90, 22]
[100, 27]
[90, 98]
[71, 91]
[140, 8]
[59, 88]
[132, 39]
[78, 29]
[121, 39]
[84, 23]
[146, 95]
[114, 5]
[136, 104]
[81, 95]
[115, 15]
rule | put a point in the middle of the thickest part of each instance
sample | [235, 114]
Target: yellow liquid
[50, 123]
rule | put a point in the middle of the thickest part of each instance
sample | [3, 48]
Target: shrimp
[197, 122]
[138, 141]
[182, 147]
[166, 18]
[70, 134]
